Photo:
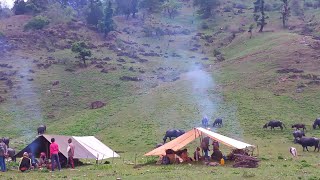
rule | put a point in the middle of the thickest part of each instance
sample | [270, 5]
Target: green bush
[1, 35]
[37, 22]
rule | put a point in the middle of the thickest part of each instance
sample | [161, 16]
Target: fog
[7, 3]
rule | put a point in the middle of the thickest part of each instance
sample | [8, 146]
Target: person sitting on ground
[34, 161]
[173, 157]
[25, 163]
[184, 156]
[215, 145]
[216, 155]
[196, 154]
[43, 161]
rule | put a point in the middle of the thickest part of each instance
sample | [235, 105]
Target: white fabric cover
[96, 147]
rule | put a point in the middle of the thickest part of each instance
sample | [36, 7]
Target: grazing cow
[316, 123]
[298, 134]
[298, 126]
[42, 129]
[159, 145]
[172, 133]
[309, 141]
[293, 151]
[273, 124]
[205, 121]
[218, 121]
[11, 154]
[6, 140]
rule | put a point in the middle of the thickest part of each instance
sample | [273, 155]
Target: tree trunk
[284, 22]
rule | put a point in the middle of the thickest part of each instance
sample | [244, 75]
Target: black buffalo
[298, 134]
[273, 124]
[218, 122]
[6, 140]
[172, 133]
[205, 121]
[11, 154]
[42, 129]
[308, 141]
[159, 145]
[316, 123]
[298, 126]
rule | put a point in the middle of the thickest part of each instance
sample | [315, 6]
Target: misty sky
[9, 3]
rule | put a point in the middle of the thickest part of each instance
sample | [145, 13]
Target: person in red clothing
[70, 151]
[54, 152]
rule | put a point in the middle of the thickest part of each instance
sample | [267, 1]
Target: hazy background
[8, 3]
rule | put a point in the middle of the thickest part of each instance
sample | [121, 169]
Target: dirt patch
[97, 105]
[129, 78]
[289, 70]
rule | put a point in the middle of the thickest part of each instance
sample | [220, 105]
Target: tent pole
[97, 160]
[258, 150]
[112, 156]
[135, 159]
[102, 159]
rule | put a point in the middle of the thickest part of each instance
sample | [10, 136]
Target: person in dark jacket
[25, 163]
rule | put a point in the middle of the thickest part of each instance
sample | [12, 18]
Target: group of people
[181, 156]
[205, 144]
[29, 162]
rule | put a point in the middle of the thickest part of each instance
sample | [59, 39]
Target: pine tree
[206, 7]
[108, 21]
[285, 12]
[259, 15]
[95, 13]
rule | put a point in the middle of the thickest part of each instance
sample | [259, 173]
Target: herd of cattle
[299, 135]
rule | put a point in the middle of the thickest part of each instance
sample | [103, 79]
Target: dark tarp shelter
[86, 147]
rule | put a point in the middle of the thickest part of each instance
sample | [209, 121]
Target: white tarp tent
[96, 147]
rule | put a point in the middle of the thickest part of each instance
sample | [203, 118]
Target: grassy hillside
[180, 84]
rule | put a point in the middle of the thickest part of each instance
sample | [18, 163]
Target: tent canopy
[191, 135]
[86, 147]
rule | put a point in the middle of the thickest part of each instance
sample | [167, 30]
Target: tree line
[99, 13]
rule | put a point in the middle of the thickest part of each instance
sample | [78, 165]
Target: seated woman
[25, 163]
[43, 161]
[184, 156]
[34, 161]
[216, 155]
[196, 155]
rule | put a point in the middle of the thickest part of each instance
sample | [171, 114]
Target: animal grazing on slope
[308, 141]
[218, 121]
[6, 140]
[11, 154]
[274, 123]
[293, 151]
[172, 133]
[298, 126]
[159, 145]
[316, 123]
[298, 134]
[42, 129]
[205, 121]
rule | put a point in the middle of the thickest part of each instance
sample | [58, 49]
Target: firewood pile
[232, 156]
[245, 161]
